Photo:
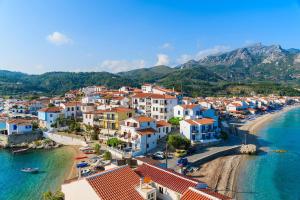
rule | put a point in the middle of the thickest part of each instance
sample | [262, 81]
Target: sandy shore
[221, 174]
[73, 170]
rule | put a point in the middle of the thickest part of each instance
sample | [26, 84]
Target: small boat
[20, 150]
[30, 170]
[81, 165]
[89, 152]
[80, 157]
[280, 151]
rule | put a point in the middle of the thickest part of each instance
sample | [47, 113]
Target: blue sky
[37, 36]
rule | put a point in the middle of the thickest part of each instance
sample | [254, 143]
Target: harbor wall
[65, 140]
[24, 138]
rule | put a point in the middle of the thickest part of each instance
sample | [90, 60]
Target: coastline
[222, 174]
[72, 173]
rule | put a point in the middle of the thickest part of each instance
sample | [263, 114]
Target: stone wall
[21, 138]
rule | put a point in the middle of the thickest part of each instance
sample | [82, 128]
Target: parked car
[158, 155]
[182, 162]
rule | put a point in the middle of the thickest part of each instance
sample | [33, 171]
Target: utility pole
[166, 154]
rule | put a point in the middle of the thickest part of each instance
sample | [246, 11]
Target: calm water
[274, 175]
[16, 185]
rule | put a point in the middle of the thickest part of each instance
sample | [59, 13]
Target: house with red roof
[47, 116]
[142, 133]
[146, 182]
[202, 130]
[157, 106]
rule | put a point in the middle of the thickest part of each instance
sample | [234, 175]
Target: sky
[38, 36]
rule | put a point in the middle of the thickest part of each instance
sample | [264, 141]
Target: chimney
[141, 182]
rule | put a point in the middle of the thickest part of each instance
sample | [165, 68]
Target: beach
[222, 174]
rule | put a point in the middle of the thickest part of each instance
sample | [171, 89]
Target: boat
[89, 152]
[20, 150]
[80, 157]
[30, 170]
[81, 165]
[280, 151]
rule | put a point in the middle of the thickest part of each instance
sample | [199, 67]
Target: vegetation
[175, 121]
[113, 142]
[35, 125]
[97, 148]
[178, 142]
[58, 195]
[107, 155]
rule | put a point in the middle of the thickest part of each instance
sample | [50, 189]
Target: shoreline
[72, 173]
[223, 174]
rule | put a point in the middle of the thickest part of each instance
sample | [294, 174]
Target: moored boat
[30, 170]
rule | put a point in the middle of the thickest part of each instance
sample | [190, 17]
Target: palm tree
[58, 195]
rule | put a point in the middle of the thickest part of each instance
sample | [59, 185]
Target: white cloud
[184, 58]
[167, 46]
[162, 59]
[120, 65]
[211, 51]
[202, 53]
[58, 38]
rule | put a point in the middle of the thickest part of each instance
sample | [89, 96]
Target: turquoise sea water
[275, 175]
[16, 185]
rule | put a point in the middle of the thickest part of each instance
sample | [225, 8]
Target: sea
[270, 175]
[16, 185]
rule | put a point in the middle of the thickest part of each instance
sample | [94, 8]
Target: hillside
[256, 69]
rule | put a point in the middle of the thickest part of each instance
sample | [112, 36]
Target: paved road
[204, 152]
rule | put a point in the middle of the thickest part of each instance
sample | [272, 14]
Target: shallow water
[274, 175]
[17, 185]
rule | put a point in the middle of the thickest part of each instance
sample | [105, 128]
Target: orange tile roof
[189, 106]
[116, 184]
[153, 96]
[146, 131]
[51, 109]
[166, 178]
[162, 123]
[72, 103]
[200, 121]
[144, 119]
[20, 121]
[202, 194]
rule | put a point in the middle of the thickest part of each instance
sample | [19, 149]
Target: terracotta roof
[72, 103]
[144, 119]
[51, 109]
[116, 184]
[162, 123]
[200, 121]
[189, 106]
[203, 194]
[147, 131]
[19, 121]
[166, 178]
[148, 160]
[153, 96]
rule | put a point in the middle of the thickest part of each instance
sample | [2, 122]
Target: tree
[58, 195]
[50, 105]
[97, 148]
[35, 125]
[113, 142]
[107, 155]
[178, 142]
[175, 121]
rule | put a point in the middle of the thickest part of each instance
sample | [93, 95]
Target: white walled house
[72, 109]
[199, 130]
[48, 116]
[18, 126]
[142, 133]
[157, 106]
[190, 111]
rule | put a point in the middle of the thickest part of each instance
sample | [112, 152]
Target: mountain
[256, 69]
[148, 75]
[254, 63]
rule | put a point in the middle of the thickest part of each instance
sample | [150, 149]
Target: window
[178, 112]
[147, 146]
[148, 123]
[15, 127]
[149, 135]
[161, 190]
[51, 115]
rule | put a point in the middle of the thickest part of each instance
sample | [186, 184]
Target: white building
[72, 109]
[190, 111]
[18, 126]
[199, 130]
[48, 116]
[157, 106]
[142, 133]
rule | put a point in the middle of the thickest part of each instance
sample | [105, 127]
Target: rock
[248, 149]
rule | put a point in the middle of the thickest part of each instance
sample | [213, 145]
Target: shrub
[113, 142]
[97, 148]
[107, 155]
[178, 142]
